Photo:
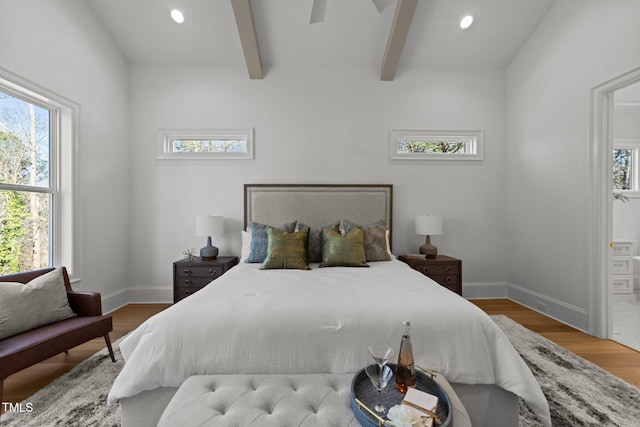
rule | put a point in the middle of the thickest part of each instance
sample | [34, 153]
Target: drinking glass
[379, 376]
[381, 354]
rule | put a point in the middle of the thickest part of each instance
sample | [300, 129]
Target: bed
[293, 321]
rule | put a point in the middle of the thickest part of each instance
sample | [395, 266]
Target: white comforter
[323, 320]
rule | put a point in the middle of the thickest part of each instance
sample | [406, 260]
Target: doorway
[626, 216]
[601, 299]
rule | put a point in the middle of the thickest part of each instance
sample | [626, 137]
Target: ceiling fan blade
[381, 5]
[317, 11]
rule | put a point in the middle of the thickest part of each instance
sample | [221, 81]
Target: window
[205, 144]
[435, 145]
[626, 165]
[27, 179]
[36, 135]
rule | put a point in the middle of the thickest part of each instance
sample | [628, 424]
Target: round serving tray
[363, 390]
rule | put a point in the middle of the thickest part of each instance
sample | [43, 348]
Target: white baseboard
[136, 295]
[150, 294]
[485, 290]
[115, 300]
[571, 315]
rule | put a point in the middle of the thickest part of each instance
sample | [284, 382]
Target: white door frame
[601, 216]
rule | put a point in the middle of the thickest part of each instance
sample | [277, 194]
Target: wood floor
[615, 358]
[618, 359]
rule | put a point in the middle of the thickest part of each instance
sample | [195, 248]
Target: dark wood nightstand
[445, 270]
[191, 276]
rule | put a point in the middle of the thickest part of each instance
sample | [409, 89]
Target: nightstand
[191, 276]
[443, 269]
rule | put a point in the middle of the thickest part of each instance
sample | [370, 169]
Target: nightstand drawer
[446, 280]
[210, 272]
[199, 282]
[185, 292]
[438, 269]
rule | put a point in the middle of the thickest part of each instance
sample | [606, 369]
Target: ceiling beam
[248, 37]
[402, 18]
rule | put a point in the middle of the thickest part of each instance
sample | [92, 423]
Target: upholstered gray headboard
[318, 204]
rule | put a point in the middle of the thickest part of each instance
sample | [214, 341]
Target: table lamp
[430, 225]
[208, 226]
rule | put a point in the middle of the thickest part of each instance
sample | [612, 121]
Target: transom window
[436, 145]
[205, 144]
[208, 146]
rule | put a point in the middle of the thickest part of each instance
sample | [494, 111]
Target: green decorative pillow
[315, 240]
[286, 250]
[376, 239]
[259, 240]
[345, 251]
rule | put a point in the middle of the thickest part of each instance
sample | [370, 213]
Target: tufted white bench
[309, 400]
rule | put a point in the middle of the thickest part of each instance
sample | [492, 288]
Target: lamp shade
[209, 225]
[428, 225]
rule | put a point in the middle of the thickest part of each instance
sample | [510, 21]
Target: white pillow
[245, 251]
[26, 306]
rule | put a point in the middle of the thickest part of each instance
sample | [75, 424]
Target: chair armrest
[85, 303]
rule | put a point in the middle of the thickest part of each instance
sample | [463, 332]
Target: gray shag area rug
[76, 399]
[579, 392]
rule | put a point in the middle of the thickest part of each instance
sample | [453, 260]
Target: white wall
[326, 125]
[580, 44]
[62, 47]
[330, 125]
[626, 124]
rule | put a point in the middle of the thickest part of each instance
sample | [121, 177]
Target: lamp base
[428, 250]
[209, 252]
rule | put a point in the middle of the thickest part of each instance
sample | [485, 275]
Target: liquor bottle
[406, 371]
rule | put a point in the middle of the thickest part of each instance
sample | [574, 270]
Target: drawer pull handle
[187, 272]
[448, 279]
[187, 293]
[211, 272]
[187, 282]
[447, 269]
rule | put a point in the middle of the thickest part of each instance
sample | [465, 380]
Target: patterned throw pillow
[345, 251]
[286, 250]
[315, 240]
[259, 240]
[376, 243]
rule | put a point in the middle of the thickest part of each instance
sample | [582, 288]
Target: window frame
[166, 137]
[473, 140]
[64, 213]
[632, 144]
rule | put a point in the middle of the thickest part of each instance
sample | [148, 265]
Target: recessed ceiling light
[177, 16]
[466, 22]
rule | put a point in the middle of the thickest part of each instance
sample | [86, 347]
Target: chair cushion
[26, 306]
[310, 400]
